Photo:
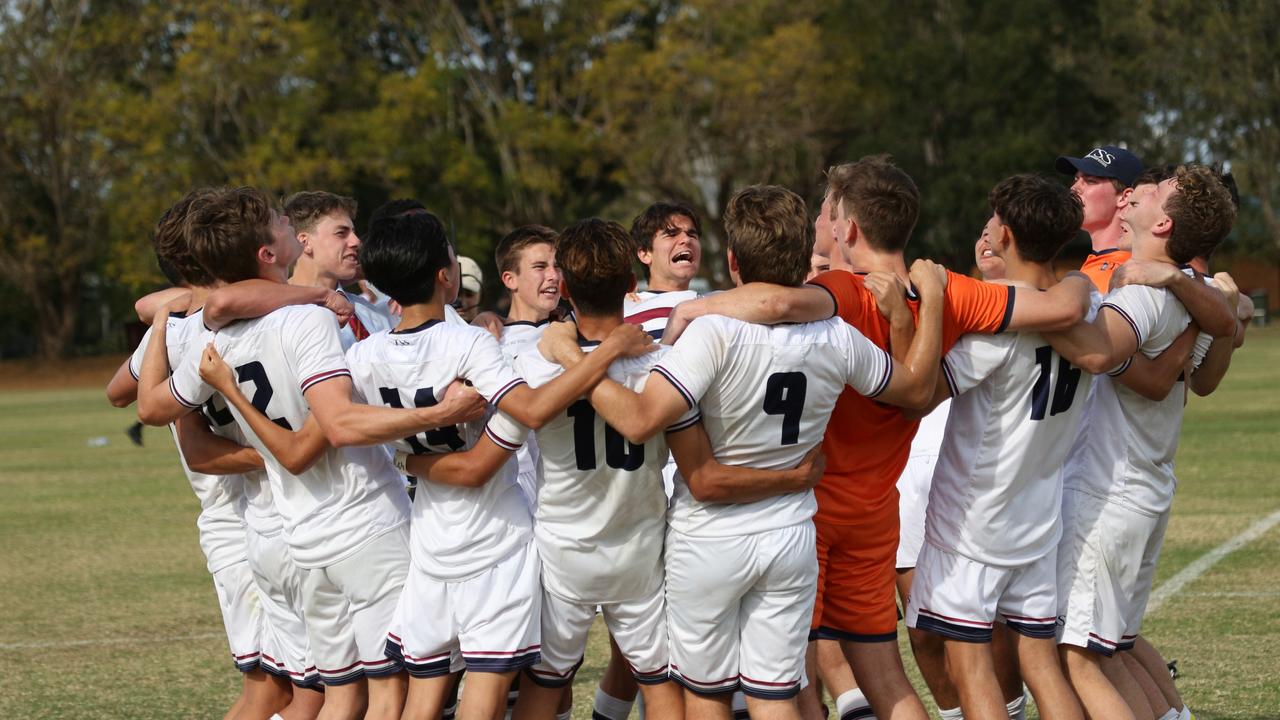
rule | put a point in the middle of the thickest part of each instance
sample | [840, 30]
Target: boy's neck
[523, 312]
[1036, 275]
[307, 274]
[597, 327]
[866, 260]
[1107, 238]
[199, 294]
[667, 285]
[412, 316]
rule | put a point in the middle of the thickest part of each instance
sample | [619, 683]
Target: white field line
[1202, 564]
[54, 644]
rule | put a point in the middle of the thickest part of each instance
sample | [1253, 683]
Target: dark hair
[882, 199]
[226, 232]
[173, 251]
[402, 254]
[1155, 175]
[1043, 215]
[770, 235]
[507, 255]
[1201, 211]
[392, 208]
[594, 256]
[657, 217]
[305, 209]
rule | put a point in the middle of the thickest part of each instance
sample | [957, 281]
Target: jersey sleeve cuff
[885, 376]
[500, 441]
[835, 304]
[178, 396]
[135, 375]
[685, 424]
[946, 375]
[680, 388]
[1132, 325]
[322, 376]
[1122, 367]
[1008, 312]
[497, 397]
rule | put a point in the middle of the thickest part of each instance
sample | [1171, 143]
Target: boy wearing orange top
[873, 207]
[1104, 179]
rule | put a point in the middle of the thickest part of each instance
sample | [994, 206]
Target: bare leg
[810, 698]
[1004, 650]
[761, 709]
[484, 697]
[663, 701]
[426, 697]
[345, 702]
[617, 680]
[1115, 670]
[537, 702]
[1038, 658]
[1155, 699]
[707, 707]
[1146, 653]
[884, 680]
[973, 671]
[387, 696]
[932, 661]
[1099, 697]
[305, 705]
[264, 694]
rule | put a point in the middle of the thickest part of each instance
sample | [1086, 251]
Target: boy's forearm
[255, 298]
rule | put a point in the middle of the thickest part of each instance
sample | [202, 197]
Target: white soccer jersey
[766, 394]
[1125, 449]
[519, 338]
[369, 319]
[350, 495]
[601, 508]
[222, 497]
[456, 532]
[653, 309]
[997, 485]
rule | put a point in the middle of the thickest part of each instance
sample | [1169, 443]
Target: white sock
[951, 714]
[1017, 708]
[275, 716]
[610, 707]
[564, 715]
[1171, 715]
[853, 705]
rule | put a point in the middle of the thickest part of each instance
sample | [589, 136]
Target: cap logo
[1102, 157]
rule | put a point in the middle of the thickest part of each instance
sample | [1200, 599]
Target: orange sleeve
[846, 291]
[974, 306]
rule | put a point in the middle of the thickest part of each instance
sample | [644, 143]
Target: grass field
[109, 613]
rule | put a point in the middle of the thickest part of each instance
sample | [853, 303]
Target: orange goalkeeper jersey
[868, 442]
[1101, 264]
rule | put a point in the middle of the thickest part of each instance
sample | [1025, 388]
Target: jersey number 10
[1064, 390]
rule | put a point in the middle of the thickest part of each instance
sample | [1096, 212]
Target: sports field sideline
[109, 613]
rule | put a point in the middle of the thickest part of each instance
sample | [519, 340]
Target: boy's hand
[559, 343]
[215, 371]
[461, 403]
[890, 294]
[631, 340]
[929, 278]
[339, 305]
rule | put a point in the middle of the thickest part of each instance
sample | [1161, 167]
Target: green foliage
[497, 114]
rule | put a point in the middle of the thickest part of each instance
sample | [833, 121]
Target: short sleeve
[185, 383]
[971, 360]
[868, 368]
[694, 361]
[974, 306]
[315, 346]
[361, 374]
[845, 291]
[1136, 305]
[487, 368]
[505, 432]
[135, 360]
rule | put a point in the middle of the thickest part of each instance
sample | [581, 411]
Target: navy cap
[1107, 161]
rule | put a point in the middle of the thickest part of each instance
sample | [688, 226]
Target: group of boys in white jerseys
[538, 456]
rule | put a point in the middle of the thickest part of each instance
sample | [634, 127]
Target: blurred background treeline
[498, 113]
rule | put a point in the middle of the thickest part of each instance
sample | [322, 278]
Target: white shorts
[913, 498]
[960, 598]
[241, 614]
[348, 607]
[285, 649]
[1106, 564]
[638, 626]
[738, 610]
[492, 619]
